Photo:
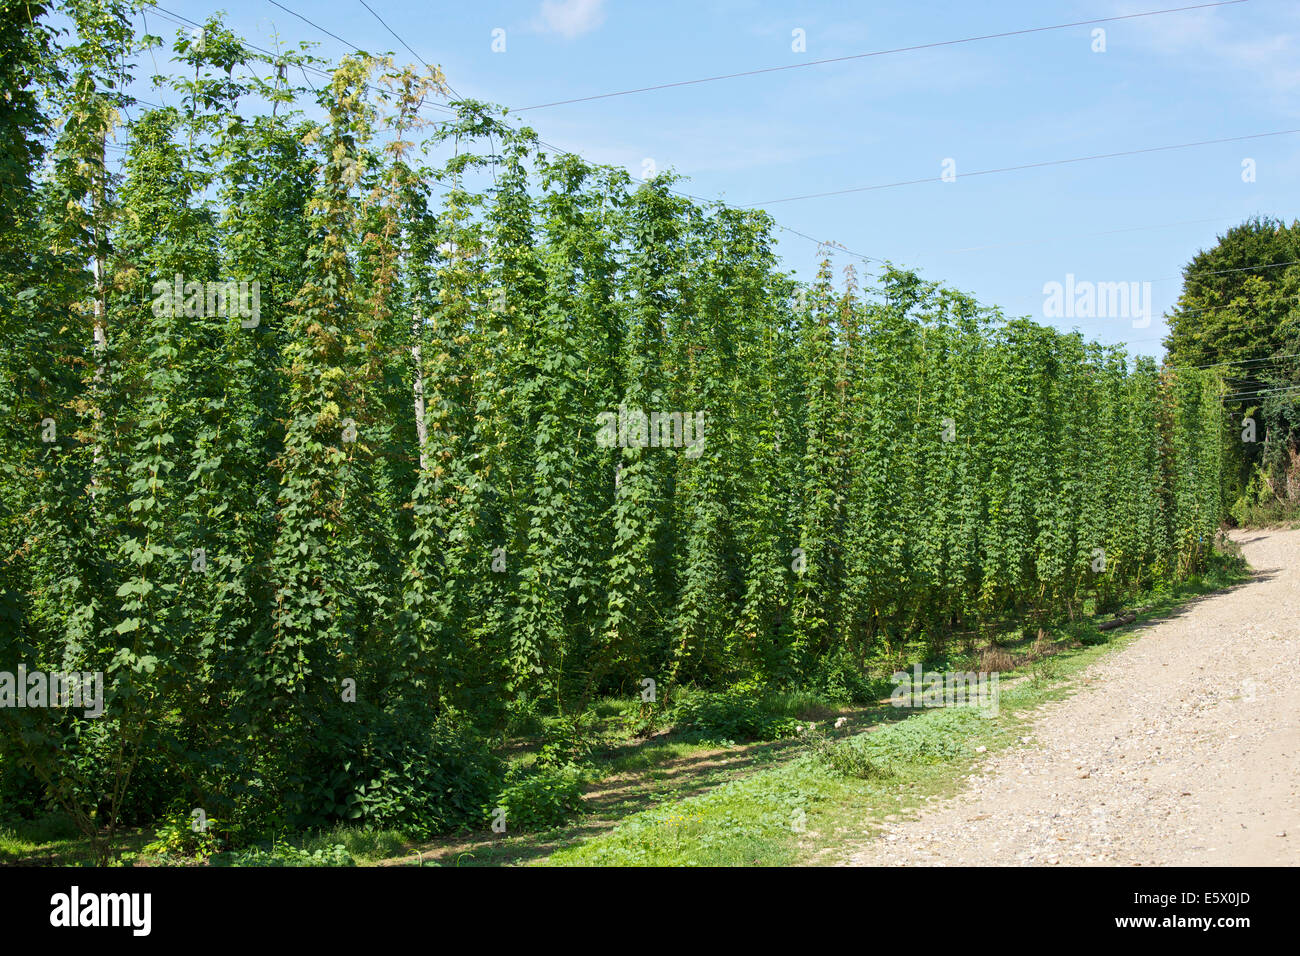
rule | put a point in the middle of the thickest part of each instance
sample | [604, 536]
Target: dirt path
[1183, 748]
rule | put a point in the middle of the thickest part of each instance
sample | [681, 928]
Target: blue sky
[1228, 71]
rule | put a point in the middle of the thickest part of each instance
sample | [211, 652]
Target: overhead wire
[875, 53]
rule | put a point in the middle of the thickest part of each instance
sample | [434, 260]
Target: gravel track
[1182, 748]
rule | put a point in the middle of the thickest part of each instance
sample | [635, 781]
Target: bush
[179, 838]
[360, 844]
[841, 677]
[539, 799]
[733, 714]
[421, 781]
[566, 741]
[1043, 672]
[86, 772]
[1260, 504]
[21, 795]
[936, 736]
[282, 854]
[846, 760]
[842, 757]
[524, 717]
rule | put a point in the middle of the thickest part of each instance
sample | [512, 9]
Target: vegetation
[1237, 313]
[839, 784]
[489, 435]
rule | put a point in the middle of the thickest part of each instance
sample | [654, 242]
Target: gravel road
[1181, 749]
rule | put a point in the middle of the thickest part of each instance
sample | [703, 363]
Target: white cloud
[570, 18]
[1261, 56]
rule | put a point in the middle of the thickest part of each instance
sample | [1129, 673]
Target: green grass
[647, 758]
[53, 835]
[364, 846]
[809, 810]
[54, 840]
[796, 811]
[342, 845]
[763, 818]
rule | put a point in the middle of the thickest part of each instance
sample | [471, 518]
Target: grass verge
[814, 807]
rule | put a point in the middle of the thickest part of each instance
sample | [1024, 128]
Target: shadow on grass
[613, 798]
[63, 851]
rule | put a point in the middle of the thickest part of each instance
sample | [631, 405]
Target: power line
[820, 242]
[183, 21]
[1262, 390]
[176, 18]
[355, 48]
[1213, 308]
[157, 72]
[862, 56]
[1220, 272]
[399, 39]
[796, 232]
[1284, 390]
[1007, 169]
[1197, 275]
[1251, 361]
[396, 36]
[180, 20]
[565, 152]
[700, 199]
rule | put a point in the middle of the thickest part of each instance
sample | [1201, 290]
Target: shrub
[360, 843]
[283, 854]
[936, 736]
[524, 717]
[843, 758]
[1043, 672]
[733, 714]
[421, 781]
[841, 677]
[180, 836]
[538, 799]
[21, 794]
[566, 741]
